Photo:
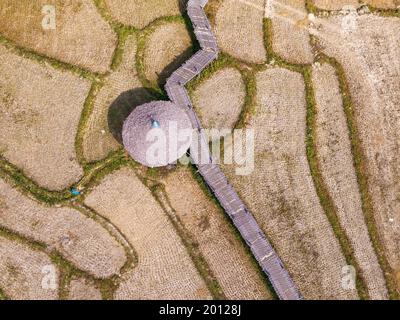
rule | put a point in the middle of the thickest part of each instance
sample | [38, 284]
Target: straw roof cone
[157, 133]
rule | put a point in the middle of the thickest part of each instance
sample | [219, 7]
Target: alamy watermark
[231, 147]
[49, 17]
[49, 279]
[348, 278]
[349, 20]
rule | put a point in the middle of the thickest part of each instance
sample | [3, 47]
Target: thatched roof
[146, 127]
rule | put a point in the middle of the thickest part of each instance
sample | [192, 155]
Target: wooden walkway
[211, 173]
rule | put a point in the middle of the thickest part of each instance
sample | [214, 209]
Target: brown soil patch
[398, 278]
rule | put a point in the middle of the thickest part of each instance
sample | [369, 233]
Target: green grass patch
[83, 121]
[122, 31]
[249, 106]
[96, 171]
[312, 8]
[385, 12]
[123, 34]
[3, 295]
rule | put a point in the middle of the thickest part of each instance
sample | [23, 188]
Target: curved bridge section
[211, 173]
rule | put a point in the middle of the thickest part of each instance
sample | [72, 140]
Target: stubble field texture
[317, 81]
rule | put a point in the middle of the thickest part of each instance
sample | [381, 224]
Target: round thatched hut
[157, 133]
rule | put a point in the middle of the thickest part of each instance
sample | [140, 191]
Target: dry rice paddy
[335, 5]
[233, 268]
[140, 13]
[219, 99]
[165, 270]
[280, 191]
[239, 29]
[336, 165]
[167, 47]
[23, 271]
[40, 109]
[121, 91]
[81, 37]
[80, 289]
[343, 4]
[385, 4]
[369, 55]
[78, 238]
[290, 38]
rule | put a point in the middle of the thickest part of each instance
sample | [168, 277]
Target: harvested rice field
[290, 38]
[239, 29]
[78, 238]
[219, 99]
[40, 109]
[80, 289]
[336, 165]
[145, 11]
[280, 191]
[23, 271]
[119, 94]
[232, 266]
[369, 55]
[167, 47]
[318, 83]
[71, 31]
[165, 270]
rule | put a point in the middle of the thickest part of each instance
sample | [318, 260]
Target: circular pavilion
[157, 133]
